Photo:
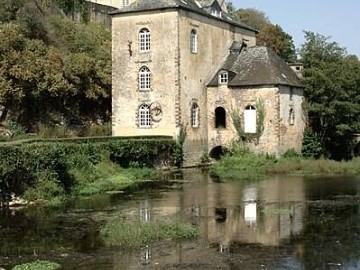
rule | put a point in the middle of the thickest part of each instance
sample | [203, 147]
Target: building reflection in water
[250, 209]
[267, 213]
[145, 216]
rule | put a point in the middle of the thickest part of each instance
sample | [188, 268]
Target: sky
[338, 19]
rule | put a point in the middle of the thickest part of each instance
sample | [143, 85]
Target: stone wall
[179, 77]
[279, 134]
[196, 69]
[162, 60]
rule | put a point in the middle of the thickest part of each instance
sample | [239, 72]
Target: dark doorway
[220, 117]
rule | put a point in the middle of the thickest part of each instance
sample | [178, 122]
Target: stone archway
[217, 152]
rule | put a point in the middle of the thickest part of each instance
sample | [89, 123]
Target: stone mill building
[186, 65]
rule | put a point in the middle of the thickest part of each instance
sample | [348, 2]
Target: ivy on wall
[238, 122]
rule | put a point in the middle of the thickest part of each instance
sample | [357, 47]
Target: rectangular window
[223, 78]
[125, 2]
[250, 120]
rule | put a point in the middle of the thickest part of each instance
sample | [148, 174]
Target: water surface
[281, 222]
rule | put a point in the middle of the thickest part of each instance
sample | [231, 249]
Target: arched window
[220, 117]
[193, 41]
[144, 78]
[291, 117]
[195, 115]
[144, 40]
[250, 119]
[144, 116]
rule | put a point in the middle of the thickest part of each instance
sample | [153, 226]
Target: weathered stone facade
[165, 55]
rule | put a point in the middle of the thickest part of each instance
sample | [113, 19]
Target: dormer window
[216, 12]
[223, 77]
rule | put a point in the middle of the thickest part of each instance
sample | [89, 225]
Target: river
[281, 222]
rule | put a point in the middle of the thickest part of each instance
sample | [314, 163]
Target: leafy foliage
[52, 70]
[44, 170]
[38, 265]
[311, 146]
[332, 80]
[270, 35]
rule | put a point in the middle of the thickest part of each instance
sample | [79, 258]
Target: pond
[281, 222]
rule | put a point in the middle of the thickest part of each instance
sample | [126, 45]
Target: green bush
[311, 146]
[241, 164]
[142, 152]
[38, 265]
[291, 153]
[53, 169]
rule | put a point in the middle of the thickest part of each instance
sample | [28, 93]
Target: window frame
[144, 40]
[195, 115]
[193, 41]
[144, 79]
[144, 116]
[223, 77]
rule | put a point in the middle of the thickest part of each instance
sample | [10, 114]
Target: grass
[315, 167]
[244, 165]
[133, 234]
[107, 176]
[38, 265]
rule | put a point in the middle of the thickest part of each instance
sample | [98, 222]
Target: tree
[249, 16]
[274, 37]
[332, 91]
[270, 35]
[52, 70]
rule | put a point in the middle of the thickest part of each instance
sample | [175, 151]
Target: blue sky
[338, 19]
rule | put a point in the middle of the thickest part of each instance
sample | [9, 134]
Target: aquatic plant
[132, 234]
[38, 265]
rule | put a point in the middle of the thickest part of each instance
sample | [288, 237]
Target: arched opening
[220, 117]
[217, 152]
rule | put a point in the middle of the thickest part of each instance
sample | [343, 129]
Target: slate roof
[203, 9]
[254, 66]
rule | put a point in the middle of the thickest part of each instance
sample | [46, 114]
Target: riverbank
[54, 171]
[244, 165]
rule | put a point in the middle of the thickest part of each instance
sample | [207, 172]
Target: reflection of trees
[25, 234]
[331, 235]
